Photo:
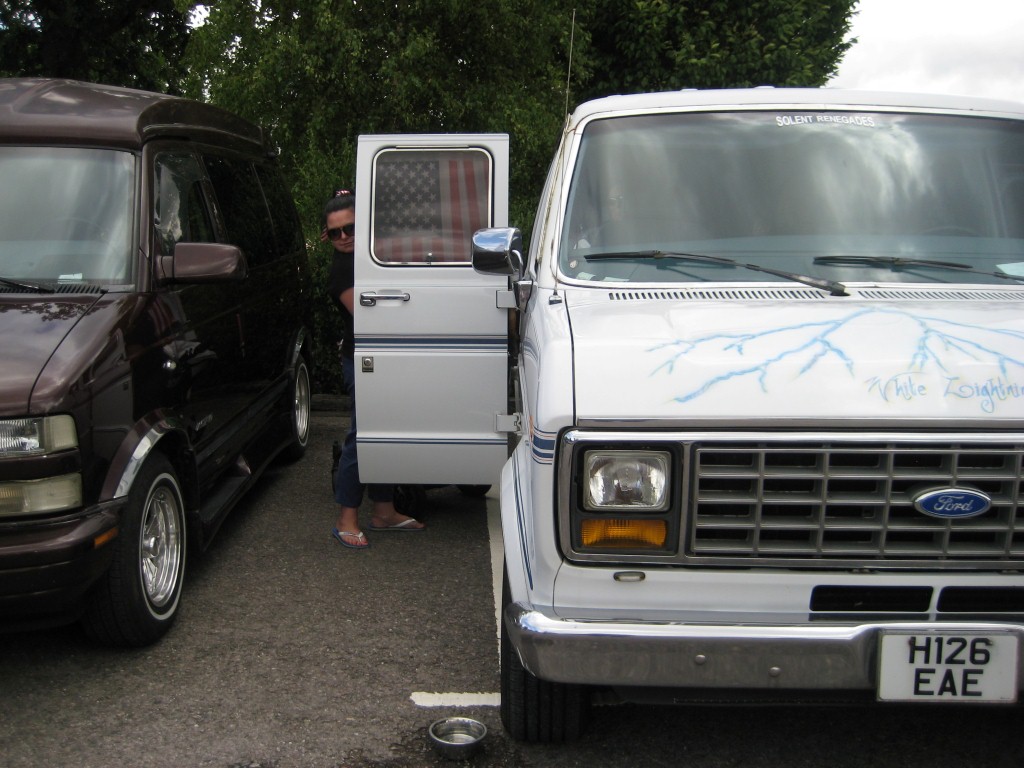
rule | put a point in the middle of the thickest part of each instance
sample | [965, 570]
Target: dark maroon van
[154, 345]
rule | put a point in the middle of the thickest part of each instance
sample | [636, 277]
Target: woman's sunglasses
[335, 232]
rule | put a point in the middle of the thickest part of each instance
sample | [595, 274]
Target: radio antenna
[568, 74]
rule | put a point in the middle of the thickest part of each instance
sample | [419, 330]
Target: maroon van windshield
[66, 215]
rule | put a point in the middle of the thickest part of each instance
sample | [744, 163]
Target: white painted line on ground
[424, 699]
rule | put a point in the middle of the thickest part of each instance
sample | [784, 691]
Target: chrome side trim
[142, 450]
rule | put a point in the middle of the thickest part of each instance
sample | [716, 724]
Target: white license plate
[948, 666]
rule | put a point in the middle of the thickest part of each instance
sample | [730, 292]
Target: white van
[763, 371]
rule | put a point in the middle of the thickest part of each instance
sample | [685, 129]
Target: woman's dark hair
[341, 200]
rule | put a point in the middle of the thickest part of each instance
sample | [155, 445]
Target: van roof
[48, 111]
[796, 98]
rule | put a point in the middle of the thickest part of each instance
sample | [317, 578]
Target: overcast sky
[963, 47]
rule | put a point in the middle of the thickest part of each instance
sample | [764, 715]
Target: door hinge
[505, 300]
[508, 422]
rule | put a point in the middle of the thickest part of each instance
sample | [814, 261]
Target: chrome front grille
[848, 502]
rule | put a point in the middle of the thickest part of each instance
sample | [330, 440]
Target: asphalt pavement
[292, 651]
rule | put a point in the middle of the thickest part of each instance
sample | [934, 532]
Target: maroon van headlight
[34, 437]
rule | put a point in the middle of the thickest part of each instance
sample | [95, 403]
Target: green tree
[118, 42]
[651, 45]
[318, 73]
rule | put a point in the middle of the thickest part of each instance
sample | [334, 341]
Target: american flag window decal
[428, 203]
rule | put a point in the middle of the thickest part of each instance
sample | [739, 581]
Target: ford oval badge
[952, 502]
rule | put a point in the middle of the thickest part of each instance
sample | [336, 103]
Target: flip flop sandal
[361, 536]
[406, 526]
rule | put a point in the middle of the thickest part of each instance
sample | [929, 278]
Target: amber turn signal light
[624, 533]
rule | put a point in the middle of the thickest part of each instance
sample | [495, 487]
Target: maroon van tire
[301, 405]
[136, 600]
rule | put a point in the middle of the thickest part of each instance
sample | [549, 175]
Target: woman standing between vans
[339, 214]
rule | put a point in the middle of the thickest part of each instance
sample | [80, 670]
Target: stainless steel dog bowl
[457, 738]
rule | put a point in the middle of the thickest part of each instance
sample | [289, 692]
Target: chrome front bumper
[797, 657]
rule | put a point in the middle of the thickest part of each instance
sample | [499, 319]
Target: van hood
[39, 335]
[661, 355]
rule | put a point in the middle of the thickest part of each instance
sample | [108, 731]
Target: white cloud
[962, 47]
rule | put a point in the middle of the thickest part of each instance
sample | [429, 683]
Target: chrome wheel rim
[161, 550]
[301, 408]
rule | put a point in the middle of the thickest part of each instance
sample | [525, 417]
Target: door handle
[370, 298]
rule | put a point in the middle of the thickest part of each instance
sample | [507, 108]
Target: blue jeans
[348, 491]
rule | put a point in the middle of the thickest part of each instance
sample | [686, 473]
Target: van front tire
[136, 600]
[535, 710]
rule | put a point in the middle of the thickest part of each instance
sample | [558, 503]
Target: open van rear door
[430, 334]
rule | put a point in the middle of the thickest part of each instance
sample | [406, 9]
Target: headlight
[37, 436]
[635, 481]
[33, 497]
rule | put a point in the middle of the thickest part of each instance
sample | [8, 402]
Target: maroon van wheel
[300, 400]
[136, 601]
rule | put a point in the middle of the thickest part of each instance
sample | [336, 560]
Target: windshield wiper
[895, 262]
[26, 286]
[833, 287]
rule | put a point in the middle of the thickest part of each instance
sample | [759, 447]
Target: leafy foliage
[318, 73]
[651, 45]
[119, 42]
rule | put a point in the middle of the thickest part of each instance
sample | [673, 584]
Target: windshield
[65, 215]
[782, 189]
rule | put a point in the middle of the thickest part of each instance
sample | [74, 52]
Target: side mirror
[499, 251]
[203, 263]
